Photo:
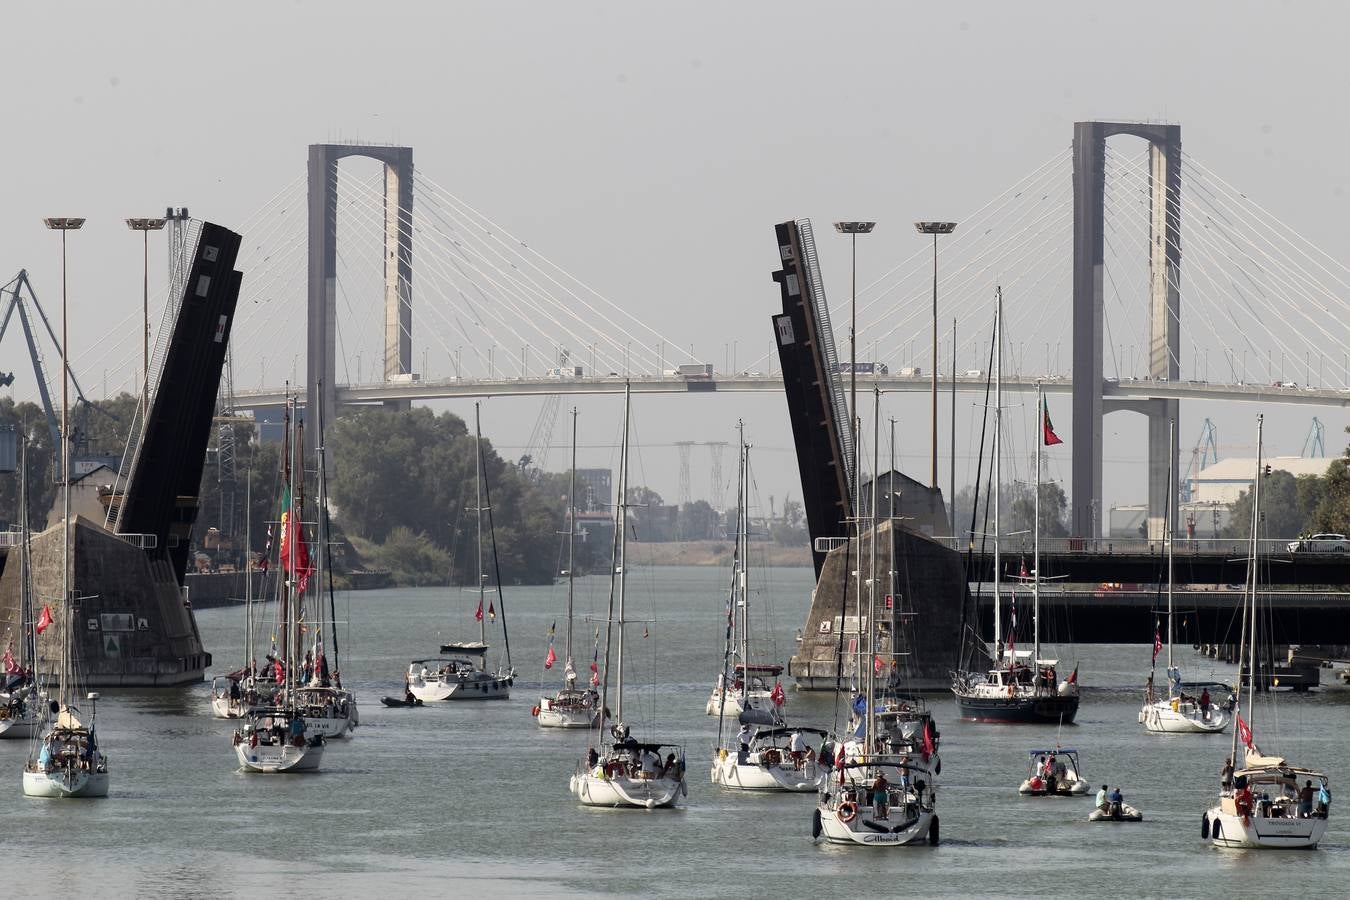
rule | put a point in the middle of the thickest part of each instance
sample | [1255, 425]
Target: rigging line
[1023, 186]
[471, 233]
[495, 229]
[464, 251]
[261, 293]
[969, 281]
[1294, 275]
[1142, 336]
[290, 187]
[1045, 308]
[436, 291]
[1200, 250]
[530, 286]
[952, 280]
[1234, 192]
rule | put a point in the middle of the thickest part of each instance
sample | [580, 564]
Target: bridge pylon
[1089, 406]
[321, 349]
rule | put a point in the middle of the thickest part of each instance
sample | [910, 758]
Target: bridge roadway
[1203, 616]
[1127, 389]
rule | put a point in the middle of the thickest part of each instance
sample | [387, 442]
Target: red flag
[929, 746]
[777, 695]
[1244, 732]
[1073, 678]
[11, 667]
[478, 615]
[278, 673]
[877, 664]
[294, 551]
[1157, 644]
[1024, 574]
[551, 658]
[1048, 430]
[44, 620]
[492, 611]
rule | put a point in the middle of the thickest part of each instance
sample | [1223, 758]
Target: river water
[472, 798]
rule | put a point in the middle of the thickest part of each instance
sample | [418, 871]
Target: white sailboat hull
[551, 716]
[866, 830]
[25, 726]
[62, 784]
[1187, 718]
[1231, 831]
[625, 792]
[271, 759]
[434, 689]
[1073, 786]
[729, 772]
[225, 708]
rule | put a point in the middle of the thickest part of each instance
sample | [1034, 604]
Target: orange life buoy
[534, 711]
[848, 811]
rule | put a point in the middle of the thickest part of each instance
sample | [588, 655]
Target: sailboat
[1267, 802]
[22, 706]
[860, 805]
[1178, 712]
[460, 672]
[622, 771]
[275, 737]
[234, 694]
[329, 709]
[744, 689]
[1021, 686]
[570, 707]
[765, 755]
[66, 761]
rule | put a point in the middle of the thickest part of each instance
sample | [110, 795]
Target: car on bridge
[1320, 543]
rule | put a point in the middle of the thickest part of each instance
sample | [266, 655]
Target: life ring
[848, 811]
[586, 701]
[534, 710]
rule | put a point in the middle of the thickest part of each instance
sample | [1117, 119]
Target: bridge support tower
[1089, 406]
[321, 350]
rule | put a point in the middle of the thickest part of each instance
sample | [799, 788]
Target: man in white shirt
[797, 747]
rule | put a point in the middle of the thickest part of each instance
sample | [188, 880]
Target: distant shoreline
[715, 553]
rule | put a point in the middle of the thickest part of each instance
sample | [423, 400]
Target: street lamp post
[145, 226]
[935, 229]
[853, 229]
[64, 224]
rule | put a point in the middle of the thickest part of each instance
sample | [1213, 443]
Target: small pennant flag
[551, 658]
[492, 611]
[478, 614]
[11, 667]
[777, 695]
[1244, 732]
[1048, 429]
[1073, 678]
[44, 620]
[1023, 573]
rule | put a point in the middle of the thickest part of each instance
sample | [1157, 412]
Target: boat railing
[140, 541]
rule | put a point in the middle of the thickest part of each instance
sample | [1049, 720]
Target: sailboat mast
[742, 585]
[1255, 559]
[478, 513]
[998, 470]
[28, 648]
[248, 572]
[571, 542]
[1170, 525]
[67, 643]
[1036, 536]
[622, 525]
[872, 575]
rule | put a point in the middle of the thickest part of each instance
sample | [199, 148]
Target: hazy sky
[649, 148]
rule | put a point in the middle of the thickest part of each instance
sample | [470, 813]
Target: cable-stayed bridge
[415, 294]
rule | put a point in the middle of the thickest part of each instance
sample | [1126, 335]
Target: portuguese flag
[1048, 430]
[294, 552]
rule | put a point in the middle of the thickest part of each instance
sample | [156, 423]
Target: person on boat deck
[745, 736]
[825, 756]
[1323, 801]
[672, 767]
[234, 691]
[1148, 689]
[1117, 799]
[1226, 773]
[797, 747]
[1050, 774]
[1101, 800]
[1305, 800]
[1204, 702]
[297, 727]
[1242, 800]
[651, 764]
[592, 758]
[880, 796]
